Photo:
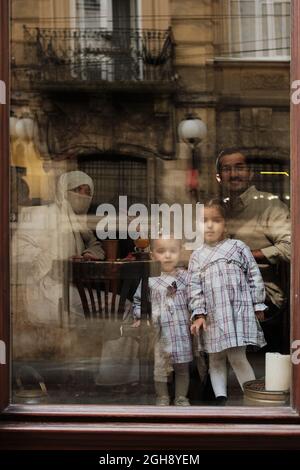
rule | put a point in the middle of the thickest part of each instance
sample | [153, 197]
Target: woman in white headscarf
[45, 237]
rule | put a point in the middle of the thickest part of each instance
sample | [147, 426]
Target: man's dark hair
[230, 151]
[218, 204]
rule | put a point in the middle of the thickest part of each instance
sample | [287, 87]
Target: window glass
[150, 190]
[257, 29]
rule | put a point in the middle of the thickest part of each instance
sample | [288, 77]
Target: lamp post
[22, 128]
[192, 130]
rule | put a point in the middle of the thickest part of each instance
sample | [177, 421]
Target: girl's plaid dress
[226, 285]
[170, 317]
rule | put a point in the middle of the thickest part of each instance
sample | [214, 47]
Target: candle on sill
[278, 372]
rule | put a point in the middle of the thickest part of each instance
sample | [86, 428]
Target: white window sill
[253, 59]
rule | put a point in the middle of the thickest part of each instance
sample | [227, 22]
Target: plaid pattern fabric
[263, 223]
[226, 285]
[170, 316]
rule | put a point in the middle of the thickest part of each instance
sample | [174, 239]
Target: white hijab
[72, 180]
[73, 226]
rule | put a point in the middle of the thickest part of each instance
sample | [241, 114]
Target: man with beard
[261, 221]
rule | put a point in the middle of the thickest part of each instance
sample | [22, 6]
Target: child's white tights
[218, 368]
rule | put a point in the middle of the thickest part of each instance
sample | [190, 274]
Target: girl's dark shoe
[221, 401]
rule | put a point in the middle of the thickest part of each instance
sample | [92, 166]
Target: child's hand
[136, 324]
[260, 315]
[197, 325]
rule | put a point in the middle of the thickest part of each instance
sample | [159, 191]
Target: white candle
[278, 372]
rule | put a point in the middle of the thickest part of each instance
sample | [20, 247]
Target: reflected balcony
[94, 59]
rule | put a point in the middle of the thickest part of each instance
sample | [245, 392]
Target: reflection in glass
[98, 92]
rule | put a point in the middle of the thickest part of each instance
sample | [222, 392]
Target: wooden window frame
[105, 427]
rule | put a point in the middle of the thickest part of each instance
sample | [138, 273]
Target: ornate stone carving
[80, 129]
[264, 81]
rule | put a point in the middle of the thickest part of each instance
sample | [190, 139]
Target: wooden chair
[106, 289]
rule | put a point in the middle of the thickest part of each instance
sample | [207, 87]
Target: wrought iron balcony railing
[78, 55]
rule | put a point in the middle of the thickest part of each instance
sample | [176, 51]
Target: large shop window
[111, 305]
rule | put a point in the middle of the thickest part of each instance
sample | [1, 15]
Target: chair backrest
[106, 287]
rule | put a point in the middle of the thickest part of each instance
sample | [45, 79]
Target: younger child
[170, 317]
[226, 296]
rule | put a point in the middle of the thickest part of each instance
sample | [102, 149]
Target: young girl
[170, 317]
[226, 296]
